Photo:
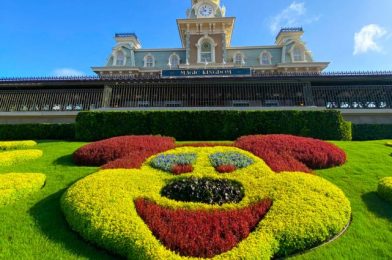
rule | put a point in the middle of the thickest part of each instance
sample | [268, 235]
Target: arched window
[238, 59]
[298, 54]
[206, 50]
[149, 61]
[120, 58]
[174, 61]
[265, 58]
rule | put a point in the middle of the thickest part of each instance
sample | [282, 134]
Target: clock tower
[206, 34]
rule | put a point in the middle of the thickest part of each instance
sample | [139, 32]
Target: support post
[308, 95]
[107, 96]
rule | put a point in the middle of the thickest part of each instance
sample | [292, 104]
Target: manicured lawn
[35, 228]
[370, 235]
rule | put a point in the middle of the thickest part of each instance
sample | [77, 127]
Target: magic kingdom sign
[205, 73]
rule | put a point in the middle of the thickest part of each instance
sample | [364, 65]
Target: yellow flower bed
[10, 158]
[18, 185]
[385, 188]
[14, 145]
[307, 210]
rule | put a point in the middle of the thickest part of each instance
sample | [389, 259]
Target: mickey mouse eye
[229, 161]
[174, 163]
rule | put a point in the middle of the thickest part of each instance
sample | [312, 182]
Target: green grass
[35, 228]
[370, 234]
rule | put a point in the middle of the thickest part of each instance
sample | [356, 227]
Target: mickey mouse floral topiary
[125, 212]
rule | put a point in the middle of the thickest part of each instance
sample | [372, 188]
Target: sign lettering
[200, 73]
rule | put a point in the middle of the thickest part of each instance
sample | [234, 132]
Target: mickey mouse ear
[122, 152]
[285, 153]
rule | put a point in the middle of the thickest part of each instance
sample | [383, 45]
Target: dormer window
[298, 54]
[265, 58]
[239, 59]
[174, 61]
[120, 58]
[149, 61]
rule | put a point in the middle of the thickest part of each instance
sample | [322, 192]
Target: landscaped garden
[179, 199]
[127, 192]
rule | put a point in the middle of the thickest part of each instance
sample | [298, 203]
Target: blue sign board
[205, 73]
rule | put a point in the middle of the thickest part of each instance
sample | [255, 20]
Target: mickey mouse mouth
[201, 233]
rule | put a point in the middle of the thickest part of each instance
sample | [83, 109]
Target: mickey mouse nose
[204, 190]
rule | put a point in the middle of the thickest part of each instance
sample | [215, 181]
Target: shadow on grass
[50, 219]
[65, 160]
[377, 205]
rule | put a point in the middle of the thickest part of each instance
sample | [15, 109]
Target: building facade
[206, 35]
[206, 73]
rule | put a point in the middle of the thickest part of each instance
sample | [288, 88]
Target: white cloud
[294, 15]
[67, 72]
[366, 39]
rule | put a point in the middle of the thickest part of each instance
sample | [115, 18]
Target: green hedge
[37, 132]
[384, 188]
[371, 132]
[212, 125]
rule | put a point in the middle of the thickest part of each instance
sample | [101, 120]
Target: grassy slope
[35, 228]
[369, 236]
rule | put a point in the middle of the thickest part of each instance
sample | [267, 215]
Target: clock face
[206, 10]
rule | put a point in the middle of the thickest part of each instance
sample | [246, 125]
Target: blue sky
[50, 37]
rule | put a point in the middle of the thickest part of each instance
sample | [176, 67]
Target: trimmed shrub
[134, 160]
[37, 132]
[14, 186]
[385, 188]
[103, 152]
[292, 153]
[212, 125]
[10, 158]
[14, 145]
[201, 233]
[371, 132]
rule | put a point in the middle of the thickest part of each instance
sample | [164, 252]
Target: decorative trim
[255, 47]
[161, 50]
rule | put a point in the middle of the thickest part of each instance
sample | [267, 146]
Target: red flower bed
[226, 168]
[201, 233]
[130, 161]
[179, 169]
[134, 147]
[292, 153]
